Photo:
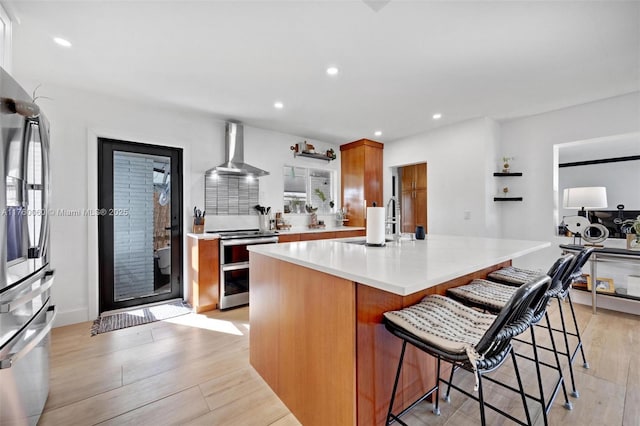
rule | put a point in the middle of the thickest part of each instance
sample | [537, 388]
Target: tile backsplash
[230, 195]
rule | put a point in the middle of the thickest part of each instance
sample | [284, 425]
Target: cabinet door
[361, 180]
[407, 211]
[352, 183]
[372, 177]
[420, 176]
[407, 180]
[420, 208]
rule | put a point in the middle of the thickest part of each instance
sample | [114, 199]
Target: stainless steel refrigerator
[26, 313]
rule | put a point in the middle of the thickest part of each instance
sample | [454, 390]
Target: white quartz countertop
[403, 267]
[305, 230]
[205, 236]
[213, 236]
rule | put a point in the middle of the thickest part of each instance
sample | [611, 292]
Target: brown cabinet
[317, 236]
[203, 273]
[309, 236]
[287, 238]
[361, 178]
[348, 234]
[413, 197]
[414, 177]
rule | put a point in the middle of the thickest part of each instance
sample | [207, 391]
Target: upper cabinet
[361, 179]
[414, 177]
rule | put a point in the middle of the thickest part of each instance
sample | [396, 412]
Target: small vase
[633, 242]
[505, 168]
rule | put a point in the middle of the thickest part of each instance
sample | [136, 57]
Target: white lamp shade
[590, 197]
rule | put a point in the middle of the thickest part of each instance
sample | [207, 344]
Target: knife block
[198, 225]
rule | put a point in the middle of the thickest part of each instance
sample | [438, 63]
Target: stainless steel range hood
[234, 155]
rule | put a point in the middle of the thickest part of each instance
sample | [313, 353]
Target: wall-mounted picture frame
[603, 285]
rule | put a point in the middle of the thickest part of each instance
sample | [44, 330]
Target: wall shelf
[313, 155]
[507, 174]
[507, 198]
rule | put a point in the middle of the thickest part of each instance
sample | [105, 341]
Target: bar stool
[517, 276]
[466, 338]
[491, 296]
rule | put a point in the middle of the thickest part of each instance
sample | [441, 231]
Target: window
[312, 187]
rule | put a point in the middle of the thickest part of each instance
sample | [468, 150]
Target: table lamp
[590, 197]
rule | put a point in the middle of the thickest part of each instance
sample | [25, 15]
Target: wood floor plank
[288, 420]
[230, 387]
[126, 398]
[258, 408]
[164, 412]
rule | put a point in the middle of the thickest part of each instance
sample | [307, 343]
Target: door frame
[92, 310]
[106, 222]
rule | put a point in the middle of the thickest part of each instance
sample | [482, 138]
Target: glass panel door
[140, 224]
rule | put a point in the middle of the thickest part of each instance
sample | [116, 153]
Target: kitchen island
[316, 312]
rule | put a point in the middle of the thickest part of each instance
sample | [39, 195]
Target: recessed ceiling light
[62, 42]
[278, 105]
[378, 133]
[332, 71]
[437, 116]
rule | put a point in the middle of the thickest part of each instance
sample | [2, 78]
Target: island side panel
[379, 351]
[302, 339]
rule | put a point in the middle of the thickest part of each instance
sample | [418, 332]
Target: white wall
[620, 178]
[531, 140]
[77, 118]
[460, 161]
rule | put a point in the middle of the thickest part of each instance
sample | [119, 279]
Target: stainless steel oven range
[234, 263]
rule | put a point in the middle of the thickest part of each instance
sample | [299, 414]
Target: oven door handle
[249, 241]
[235, 266]
[33, 341]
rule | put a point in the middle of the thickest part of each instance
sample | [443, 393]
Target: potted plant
[631, 227]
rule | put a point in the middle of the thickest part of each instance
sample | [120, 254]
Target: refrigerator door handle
[50, 314]
[13, 304]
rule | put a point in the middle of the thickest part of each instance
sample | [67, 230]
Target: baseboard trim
[73, 316]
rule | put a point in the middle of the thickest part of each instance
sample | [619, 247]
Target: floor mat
[120, 320]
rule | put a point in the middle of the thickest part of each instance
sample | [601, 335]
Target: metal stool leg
[574, 392]
[436, 408]
[585, 364]
[522, 394]
[567, 403]
[540, 387]
[483, 420]
[446, 397]
[390, 416]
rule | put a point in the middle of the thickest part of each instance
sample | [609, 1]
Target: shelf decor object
[505, 164]
[603, 285]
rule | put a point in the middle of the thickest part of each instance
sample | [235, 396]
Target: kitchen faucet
[390, 220]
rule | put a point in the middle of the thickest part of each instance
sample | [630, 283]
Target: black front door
[139, 223]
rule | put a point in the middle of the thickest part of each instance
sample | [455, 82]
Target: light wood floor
[194, 370]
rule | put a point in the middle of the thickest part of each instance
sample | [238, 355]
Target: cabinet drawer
[354, 233]
[287, 238]
[317, 236]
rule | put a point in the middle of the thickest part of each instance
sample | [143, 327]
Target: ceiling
[400, 61]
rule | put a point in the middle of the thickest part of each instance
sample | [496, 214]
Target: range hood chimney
[234, 154]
